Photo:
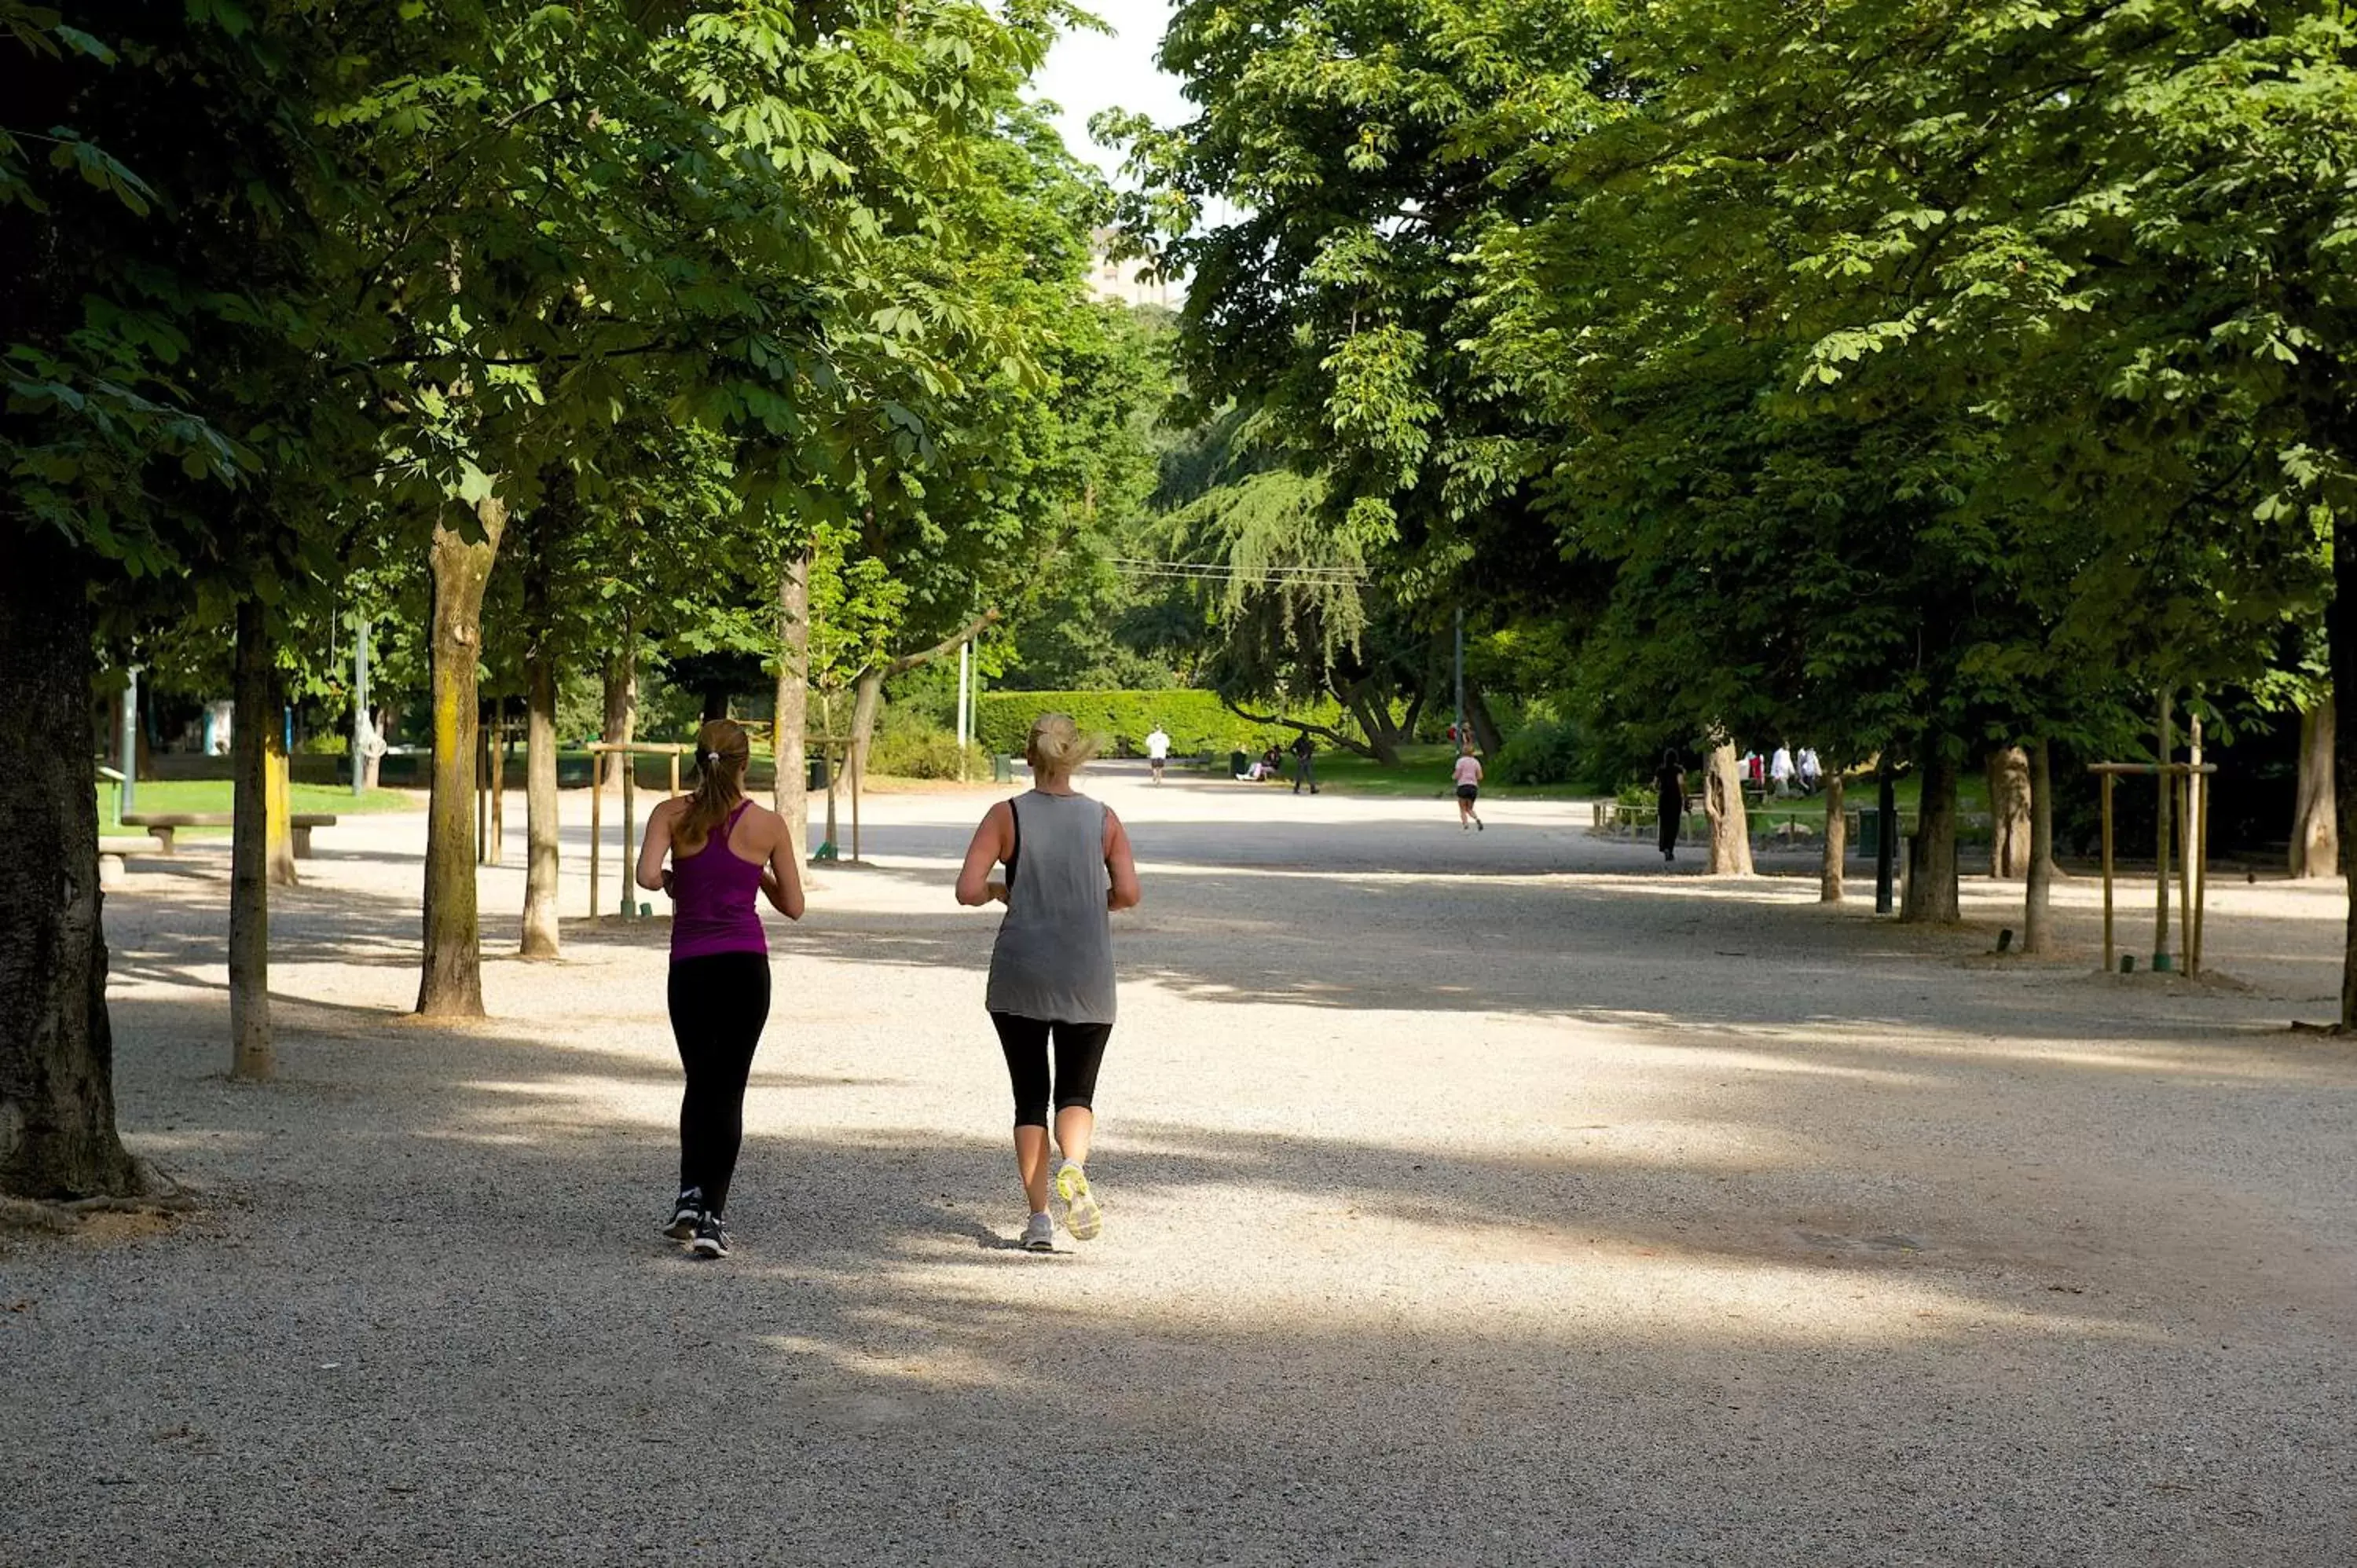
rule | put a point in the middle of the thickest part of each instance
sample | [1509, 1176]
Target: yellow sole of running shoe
[1083, 1217]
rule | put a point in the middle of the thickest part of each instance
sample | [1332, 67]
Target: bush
[915, 751]
[1541, 752]
[1197, 724]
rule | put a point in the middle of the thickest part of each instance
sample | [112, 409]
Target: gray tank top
[1054, 955]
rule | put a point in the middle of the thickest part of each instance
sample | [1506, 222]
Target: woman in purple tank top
[723, 850]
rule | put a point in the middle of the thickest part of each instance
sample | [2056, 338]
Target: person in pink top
[723, 850]
[1469, 788]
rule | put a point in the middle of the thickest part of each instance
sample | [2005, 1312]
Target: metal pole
[125, 791]
[2108, 961]
[1886, 838]
[2201, 877]
[359, 700]
[1460, 675]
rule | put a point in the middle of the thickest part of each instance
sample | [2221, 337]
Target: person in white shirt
[1811, 771]
[1158, 751]
[1780, 770]
[1469, 788]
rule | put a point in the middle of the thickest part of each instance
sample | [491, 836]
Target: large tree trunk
[1932, 896]
[622, 699]
[56, 1050]
[791, 792]
[1829, 874]
[2038, 895]
[2315, 824]
[2009, 793]
[249, 852]
[451, 985]
[1374, 722]
[1722, 805]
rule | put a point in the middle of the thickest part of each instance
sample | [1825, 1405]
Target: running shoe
[1039, 1235]
[1480, 826]
[685, 1213]
[711, 1236]
[1082, 1218]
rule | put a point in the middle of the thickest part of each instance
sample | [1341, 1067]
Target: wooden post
[674, 775]
[2160, 958]
[629, 827]
[482, 804]
[499, 754]
[2108, 959]
[2197, 827]
[596, 798]
[2185, 871]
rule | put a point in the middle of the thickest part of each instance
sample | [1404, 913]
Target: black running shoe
[684, 1214]
[711, 1236]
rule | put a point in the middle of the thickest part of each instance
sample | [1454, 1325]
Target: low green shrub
[917, 751]
[1196, 720]
[1541, 752]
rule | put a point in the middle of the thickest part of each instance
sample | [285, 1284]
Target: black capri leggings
[1672, 813]
[1079, 1049]
[718, 1005]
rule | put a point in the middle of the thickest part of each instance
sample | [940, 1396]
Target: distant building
[1129, 282]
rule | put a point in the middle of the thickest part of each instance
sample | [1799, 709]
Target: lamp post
[360, 730]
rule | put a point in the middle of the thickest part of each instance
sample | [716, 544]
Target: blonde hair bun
[1056, 745]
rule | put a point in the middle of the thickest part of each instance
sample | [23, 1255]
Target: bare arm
[782, 879]
[1124, 892]
[657, 845]
[993, 841]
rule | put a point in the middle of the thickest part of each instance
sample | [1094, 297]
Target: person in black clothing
[1304, 771]
[1670, 787]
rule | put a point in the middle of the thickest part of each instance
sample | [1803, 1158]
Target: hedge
[1197, 724]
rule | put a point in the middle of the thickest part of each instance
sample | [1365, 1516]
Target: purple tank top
[712, 898]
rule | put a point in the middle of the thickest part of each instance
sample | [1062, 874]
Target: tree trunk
[57, 1049]
[2038, 895]
[1722, 804]
[249, 855]
[2315, 825]
[451, 985]
[621, 700]
[1932, 896]
[541, 823]
[791, 792]
[371, 766]
[1374, 722]
[867, 701]
[2009, 793]
[1829, 876]
[556, 513]
[1485, 730]
[2341, 634]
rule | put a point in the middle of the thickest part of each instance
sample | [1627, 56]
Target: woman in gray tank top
[1068, 868]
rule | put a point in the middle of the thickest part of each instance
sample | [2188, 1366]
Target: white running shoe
[1039, 1235]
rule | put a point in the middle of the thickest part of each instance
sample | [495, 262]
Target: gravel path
[1492, 1199]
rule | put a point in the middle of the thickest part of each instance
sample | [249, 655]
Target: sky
[1090, 71]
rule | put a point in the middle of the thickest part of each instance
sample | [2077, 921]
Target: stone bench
[164, 824]
[114, 847]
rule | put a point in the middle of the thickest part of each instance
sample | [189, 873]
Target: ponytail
[722, 754]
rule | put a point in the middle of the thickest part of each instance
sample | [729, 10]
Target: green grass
[1421, 774]
[200, 796]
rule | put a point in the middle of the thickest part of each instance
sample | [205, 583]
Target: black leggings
[1672, 812]
[718, 1005]
[1079, 1048]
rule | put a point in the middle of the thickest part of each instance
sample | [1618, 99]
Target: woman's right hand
[998, 891]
